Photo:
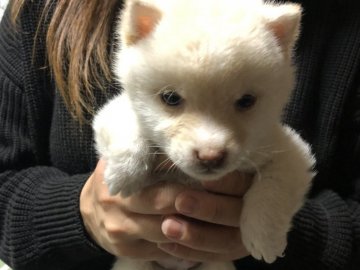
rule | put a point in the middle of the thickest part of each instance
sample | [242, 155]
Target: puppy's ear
[138, 21]
[284, 22]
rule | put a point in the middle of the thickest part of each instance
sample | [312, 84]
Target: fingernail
[172, 229]
[187, 205]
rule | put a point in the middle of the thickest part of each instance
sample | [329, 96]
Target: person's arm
[40, 222]
[325, 235]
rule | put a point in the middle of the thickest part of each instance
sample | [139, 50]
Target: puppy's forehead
[221, 57]
[202, 53]
[215, 31]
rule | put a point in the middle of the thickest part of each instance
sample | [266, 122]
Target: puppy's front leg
[276, 195]
[119, 141]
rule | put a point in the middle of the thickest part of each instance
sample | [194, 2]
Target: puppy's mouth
[201, 172]
[197, 169]
[208, 171]
[211, 167]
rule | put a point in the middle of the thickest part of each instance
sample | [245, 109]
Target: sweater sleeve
[40, 221]
[325, 235]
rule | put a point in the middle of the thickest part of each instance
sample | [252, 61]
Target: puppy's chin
[202, 174]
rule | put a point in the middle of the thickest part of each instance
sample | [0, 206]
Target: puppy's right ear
[138, 21]
[284, 22]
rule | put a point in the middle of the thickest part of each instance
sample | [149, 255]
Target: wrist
[86, 208]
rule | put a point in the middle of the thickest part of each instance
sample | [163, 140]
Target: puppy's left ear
[284, 22]
[139, 20]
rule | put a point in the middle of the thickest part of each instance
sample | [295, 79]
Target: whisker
[266, 153]
[280, 151]
[172, 168]
[265, 147]
[162, 164]
[262, 153]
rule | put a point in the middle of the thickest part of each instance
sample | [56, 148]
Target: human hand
[208, 227]
[127, 227]
[135, 226]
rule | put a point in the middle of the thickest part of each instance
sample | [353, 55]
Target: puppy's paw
[126, 176]
[263, 236]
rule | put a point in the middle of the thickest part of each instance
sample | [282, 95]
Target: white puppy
[205, 83]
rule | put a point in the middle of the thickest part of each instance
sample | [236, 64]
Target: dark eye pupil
[245, 102]
[171, 98]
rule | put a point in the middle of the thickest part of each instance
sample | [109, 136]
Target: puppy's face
[209, 101]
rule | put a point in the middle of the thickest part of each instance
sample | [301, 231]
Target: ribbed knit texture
[40, 222]
[322, 236]
[45, 156]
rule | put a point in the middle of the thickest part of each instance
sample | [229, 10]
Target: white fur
[210, 52]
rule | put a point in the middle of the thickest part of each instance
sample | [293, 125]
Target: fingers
[199, 235]
[201, 241]
[132, 235]
[134, 226]
[217, 235]
[157, 199]
[189, 254]
[149, 228]
[141, 249]
[222, 206]
[213, 208]
[123, 226]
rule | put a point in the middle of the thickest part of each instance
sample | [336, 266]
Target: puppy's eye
[246, 102]
[171, 98]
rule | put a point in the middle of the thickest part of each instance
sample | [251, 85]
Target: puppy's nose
[211, 158]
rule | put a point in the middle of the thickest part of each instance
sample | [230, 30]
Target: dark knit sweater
[46, 156]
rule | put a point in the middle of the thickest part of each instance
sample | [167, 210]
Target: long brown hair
[77, 43]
